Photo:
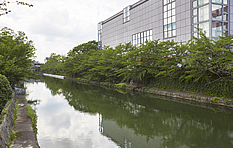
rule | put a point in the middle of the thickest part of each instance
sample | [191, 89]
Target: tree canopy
[199, 60]
[16, 54]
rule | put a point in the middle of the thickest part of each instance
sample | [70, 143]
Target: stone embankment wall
[8, 121]
[226, 102]
[7, 124]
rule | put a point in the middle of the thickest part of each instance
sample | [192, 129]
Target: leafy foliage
[6, 92]
[200, 60]
[16, 53]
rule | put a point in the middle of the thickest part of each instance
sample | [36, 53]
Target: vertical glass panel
[216, 12]
[195, 35]
[225, 26]
[225, 2]
[165, 2]
[169, 27]
[173, 19]
[144, 33]
[169, 13]
[165, 34]
[194, 4]
[216, 28]
[165, 8]
[165, 14]
[169, 34]
[205, 27]
[142, 40]
[225, 9]
[225, 17]
[173, 12]
[204, 13]
[202, 2]
[165, 21]
[195, 28]
[194, 19]
[173, 26]
[173, 5]
[169, 20]
[194, 12]
[151, 38]
[174, 33]
[169, 6]
[138, 36]
[148, 38]
[150, 32]
[217, 1]
[165, 27]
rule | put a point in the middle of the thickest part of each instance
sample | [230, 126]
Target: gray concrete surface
[25, 137]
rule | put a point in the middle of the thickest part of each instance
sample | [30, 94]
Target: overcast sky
[56, 26]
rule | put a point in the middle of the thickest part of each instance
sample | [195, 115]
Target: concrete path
[25, 137]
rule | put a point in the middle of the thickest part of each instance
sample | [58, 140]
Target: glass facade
[211, 16]
[142, 37]
[169, 18]
[100, 28]
[219, 17]
[200, 16]
[126, 14]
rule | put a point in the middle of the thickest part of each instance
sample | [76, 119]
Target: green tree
[209, 60]
[16, 53]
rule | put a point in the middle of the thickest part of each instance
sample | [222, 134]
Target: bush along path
[25, 129]
[220, 101]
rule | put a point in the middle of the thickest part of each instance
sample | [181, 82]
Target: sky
[57, 26]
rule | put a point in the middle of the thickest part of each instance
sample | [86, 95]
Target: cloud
[57, 25]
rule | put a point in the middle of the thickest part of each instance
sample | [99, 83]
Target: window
[169, 18]
[216, 12]
[200, 15]
[100, 27]
[202, 2]
[225, 2]
[219, 18]
[204, 13]
[205, 27]
[217, 1]
[142, 37]
[127, 143]
[126, 14]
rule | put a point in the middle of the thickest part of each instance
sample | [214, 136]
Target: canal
[72, 115]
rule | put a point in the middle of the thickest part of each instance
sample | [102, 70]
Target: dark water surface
[72, 115]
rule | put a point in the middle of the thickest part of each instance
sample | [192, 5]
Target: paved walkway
[25, 137]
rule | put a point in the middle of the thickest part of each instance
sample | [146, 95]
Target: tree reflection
[178, 124]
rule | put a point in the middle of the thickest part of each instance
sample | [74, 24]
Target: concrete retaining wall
[7, 124]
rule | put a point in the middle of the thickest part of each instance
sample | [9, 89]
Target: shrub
[6, 92]
[121, 85]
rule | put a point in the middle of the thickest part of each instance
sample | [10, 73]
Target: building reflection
[125, 137]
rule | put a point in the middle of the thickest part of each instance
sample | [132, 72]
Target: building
[166, 20]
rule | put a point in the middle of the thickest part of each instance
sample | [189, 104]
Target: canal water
[72, 115]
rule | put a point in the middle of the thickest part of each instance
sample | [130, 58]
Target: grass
[32, 115]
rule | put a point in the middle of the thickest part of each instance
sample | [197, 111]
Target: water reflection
[75, 115]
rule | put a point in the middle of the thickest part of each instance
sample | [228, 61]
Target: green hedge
[6, 92]
[223, 88]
